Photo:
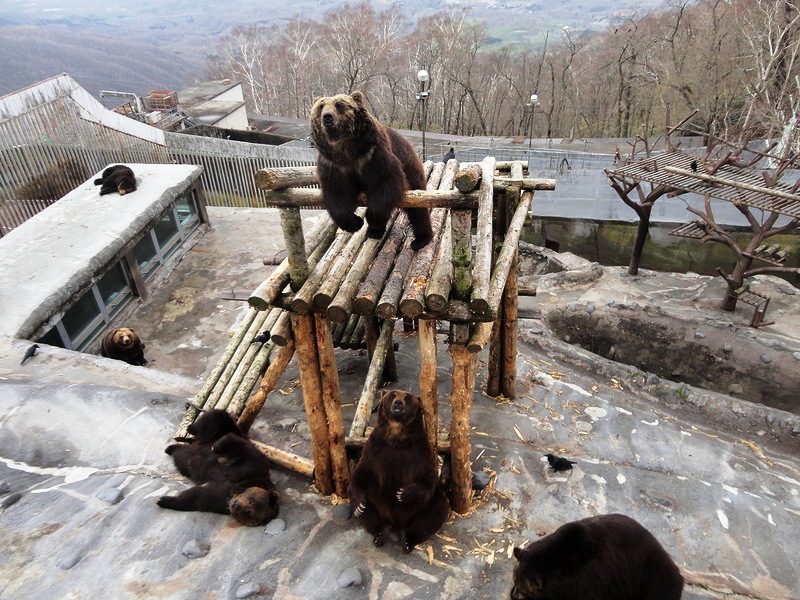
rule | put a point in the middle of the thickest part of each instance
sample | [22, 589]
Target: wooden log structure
[348, 291]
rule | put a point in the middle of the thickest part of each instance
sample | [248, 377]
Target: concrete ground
[717, 480]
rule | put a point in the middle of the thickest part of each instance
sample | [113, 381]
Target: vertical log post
[268, 382]
[482, 270]
[510, 301]
[311, 382]
[331, 401]
[371, 385]
[461, 225]
[292, 226]
[428, 391]
[372, 329]
[460, 404]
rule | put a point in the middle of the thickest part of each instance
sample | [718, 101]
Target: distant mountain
[30, 54]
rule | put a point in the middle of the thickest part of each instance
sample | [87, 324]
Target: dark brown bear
[395, 483]
[230, 473]
[358, 154]
[608, 557]
[122, 343]
[118, 178]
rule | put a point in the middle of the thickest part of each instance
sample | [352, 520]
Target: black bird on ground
[693, 165]
[29, 353]
[450, 154]
[559, 463]
[261, 338]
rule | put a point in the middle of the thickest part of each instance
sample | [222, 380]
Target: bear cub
[122, 343]
[395, 483]
[607, 557]
[230, 474]
[118, 178]
[358, 154]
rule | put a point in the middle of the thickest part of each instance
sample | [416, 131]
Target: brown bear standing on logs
[122, 343]
[230, 474]
[358, 154]
[395, 483]
[608, 557]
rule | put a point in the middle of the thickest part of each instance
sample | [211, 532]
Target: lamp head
[422, 76]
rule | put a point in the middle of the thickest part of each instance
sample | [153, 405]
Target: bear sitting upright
[118, 178]
[395, 483]
[607, 557]
[230, 474]
[358, 154]
[122, 343]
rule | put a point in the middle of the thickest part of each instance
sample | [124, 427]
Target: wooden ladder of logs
[340, 289]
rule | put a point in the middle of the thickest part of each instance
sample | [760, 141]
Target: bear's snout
[398, 407]
[327, 119]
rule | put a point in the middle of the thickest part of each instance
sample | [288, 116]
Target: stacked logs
[340, 289]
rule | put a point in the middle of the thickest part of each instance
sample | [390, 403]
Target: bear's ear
[359, 98]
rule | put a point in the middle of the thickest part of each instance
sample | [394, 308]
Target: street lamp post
[422, 95]
[532, 106]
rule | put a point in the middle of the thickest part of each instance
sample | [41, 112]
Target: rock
[480, 479]
[111, 495]
[349, 577]
[67, 562]
[10, 500]
[248, 589]
[796, 355]
[590, 308]
[727, 348]
[653, 379]
[275, 527]
[4, 487]
[766, 358]
[195, 549]
[699, 335]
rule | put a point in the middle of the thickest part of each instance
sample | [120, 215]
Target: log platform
[343, 290]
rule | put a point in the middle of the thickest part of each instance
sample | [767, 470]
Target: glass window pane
[166, 229]
[114, 289]
[80, 315]
[145, 252]
[53, 338]
[186, 207]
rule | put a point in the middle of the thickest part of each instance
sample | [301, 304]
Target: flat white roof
[52, 256]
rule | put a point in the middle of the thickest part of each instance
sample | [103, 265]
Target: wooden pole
[390, 297]
[268, 383]
[509, 303]
[311, 198]
[428, 389]
[284, 177]
[331, 400]
[287, 460]
[460, 448]
[292, 226]
[412, 301]
[374, 375]
[437, 292]
[461, 230]
[333, 279]
[319, 238]
[482, 270]
[281, 332]
[468, 177]
[310, 380]
[370, 289]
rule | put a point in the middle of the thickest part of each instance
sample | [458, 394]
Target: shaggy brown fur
[358, 154]
[395, 483]
[608, 557]
[122, 343]
[231, 474]
[118, 178]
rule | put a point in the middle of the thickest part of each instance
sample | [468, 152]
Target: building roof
[52, 256]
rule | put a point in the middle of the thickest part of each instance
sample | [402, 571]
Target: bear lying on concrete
[118, 178]
[395, 483]
[122, 343]
[358, 154]
[607, 557]
[231, 474]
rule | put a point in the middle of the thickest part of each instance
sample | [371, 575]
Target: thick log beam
[428, 389]
[268, 383]
[460, 447]
[374, 377]
[312, 198]
[285, 177]
[482, 269]
[524, 183]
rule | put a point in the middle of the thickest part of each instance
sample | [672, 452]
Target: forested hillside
[730, 63]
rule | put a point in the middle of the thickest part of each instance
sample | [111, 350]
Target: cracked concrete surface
[716, 479]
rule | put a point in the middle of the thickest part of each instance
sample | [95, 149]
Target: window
[166, 230]
[146, 255]
[115, 289]
[186, 207]
[83, 319]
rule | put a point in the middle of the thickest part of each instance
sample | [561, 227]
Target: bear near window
[230, 474]
[123, 343]
[357, 154]
[607, 557]
[395, 483]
